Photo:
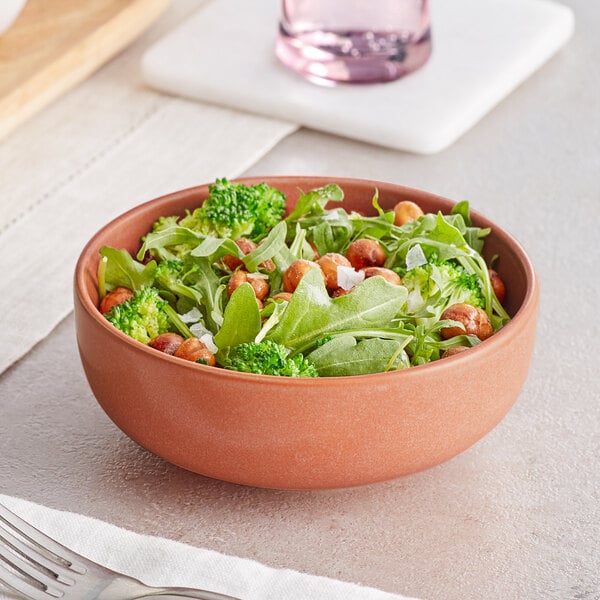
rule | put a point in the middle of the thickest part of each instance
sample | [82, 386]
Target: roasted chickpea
[268, 265]
[233, 262]
[283, 296]
[117, 296]
[295, 272]
[497, 286]
[167, 342]
[405, 212]
[365, 253]
[453, 351]
[236, 280]
[329, 263]
[340, 292]
[389, 275]
[194, 350]
[259, 284]
[475, 321]
[257, 281]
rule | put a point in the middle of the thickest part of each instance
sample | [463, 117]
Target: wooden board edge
[68, 69]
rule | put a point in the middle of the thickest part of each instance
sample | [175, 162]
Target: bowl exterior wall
[302, 433]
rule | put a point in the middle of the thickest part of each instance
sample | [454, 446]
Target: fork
[39, 568]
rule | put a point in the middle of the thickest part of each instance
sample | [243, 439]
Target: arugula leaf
[271, 245]
[276, 309]
[205, 280]
[311, 314]
[214, 248]
[344, 355]
[171, 236]
[121, 270]
[314, 202]
[462, 208]
[331, 232]
[241, 320]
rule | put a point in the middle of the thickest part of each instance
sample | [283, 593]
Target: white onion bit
[348, 278]
[198, 330]
[193, 316]
[207, 340]
[415, 257]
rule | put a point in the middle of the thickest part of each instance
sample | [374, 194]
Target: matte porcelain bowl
[304, 433]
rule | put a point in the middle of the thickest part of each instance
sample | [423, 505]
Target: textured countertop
[517, 515]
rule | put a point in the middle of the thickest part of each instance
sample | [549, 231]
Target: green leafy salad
[237, 284]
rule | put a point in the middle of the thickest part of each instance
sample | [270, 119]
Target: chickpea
[295, 272]
[365, 253]
[405, 212]
[258, 283]
[340, 292]
[329, 263]
[167, 342]
[453, 351]
[475, 321]
[268, 265]
[497, 286]
[389, 275]
[193, 349]
[117, 296]
[286, 296]
[233, 262]
[236, 279]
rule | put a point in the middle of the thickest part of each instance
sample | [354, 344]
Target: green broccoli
[168, 273]
[235, 210]
[142, 317]
[268, 358]
[444, 283]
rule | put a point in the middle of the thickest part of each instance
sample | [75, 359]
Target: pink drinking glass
[354, 41]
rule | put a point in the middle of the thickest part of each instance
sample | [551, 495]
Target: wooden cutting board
[54, 44]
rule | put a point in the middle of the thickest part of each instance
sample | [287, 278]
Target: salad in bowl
[322, 291]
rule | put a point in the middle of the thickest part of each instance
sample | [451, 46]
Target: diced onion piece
[198, 330]
[415, 257]
[414, 301]
[348, 278]
[192, 316]
[207, 340]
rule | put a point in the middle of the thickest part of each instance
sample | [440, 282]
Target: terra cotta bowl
[304, 433]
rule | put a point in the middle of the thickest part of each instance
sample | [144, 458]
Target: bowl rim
[488, 346]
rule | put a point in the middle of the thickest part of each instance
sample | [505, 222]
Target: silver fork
[39, 568]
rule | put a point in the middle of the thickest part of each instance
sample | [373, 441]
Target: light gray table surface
[517, 515]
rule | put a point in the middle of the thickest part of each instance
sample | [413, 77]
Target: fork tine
[29, 572]
[51, 568]
[22, 585]
[42, 543]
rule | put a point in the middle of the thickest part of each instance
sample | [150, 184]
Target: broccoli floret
[268, 358]
[444, 283]
[235, 210]
[168, 273]
[465, 287]
[142, 317]
[164, 223]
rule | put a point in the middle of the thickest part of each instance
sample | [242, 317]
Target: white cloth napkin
[158, 561]
[108, 145]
